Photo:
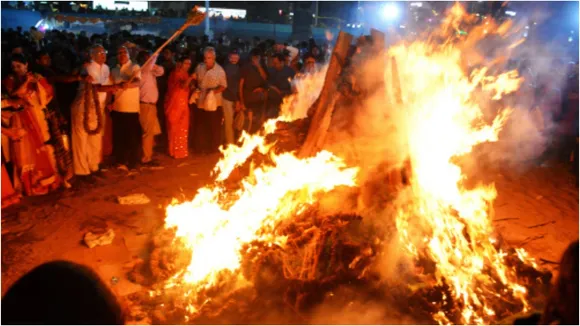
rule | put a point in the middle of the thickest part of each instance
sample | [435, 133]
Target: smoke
[532, 126]
[348, 305]
[368, 133]
[371, 132]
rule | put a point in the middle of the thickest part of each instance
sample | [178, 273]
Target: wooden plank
[325, 104]
[378, 39]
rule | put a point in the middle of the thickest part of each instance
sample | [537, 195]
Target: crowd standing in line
[74, 105]
[192, 98]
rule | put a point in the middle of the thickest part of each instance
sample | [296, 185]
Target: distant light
[526, 34]
[485, 31]
[527, 27]
[291, 14]
[510, 13]
[313, 15]
[535, 23]
[347, 25]
[477, 15]
[358, 26]
[402, 26]
[571, 32]
[280, 12]
[390, 11]
[417, 4]
[570, 39]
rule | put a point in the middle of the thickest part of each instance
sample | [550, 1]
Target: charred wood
[325, 104]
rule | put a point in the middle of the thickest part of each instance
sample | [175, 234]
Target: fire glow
[438, 219]
[217, 222]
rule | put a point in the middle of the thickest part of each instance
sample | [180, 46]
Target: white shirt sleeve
[106, 76]
[136, 72]
[93, 72]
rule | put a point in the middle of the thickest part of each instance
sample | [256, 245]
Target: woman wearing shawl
[34, 162]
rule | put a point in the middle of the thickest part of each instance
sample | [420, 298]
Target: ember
[265, 242]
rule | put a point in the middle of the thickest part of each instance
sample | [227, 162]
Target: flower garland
[89, 88]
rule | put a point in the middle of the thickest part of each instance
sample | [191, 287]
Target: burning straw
[267, 241]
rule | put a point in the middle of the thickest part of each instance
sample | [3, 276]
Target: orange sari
[34, 162]
[177, 114]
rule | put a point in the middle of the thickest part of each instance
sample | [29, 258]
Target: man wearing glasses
[87, 147]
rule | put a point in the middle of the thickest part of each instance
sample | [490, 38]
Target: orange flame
[440, 218]
[218, 222]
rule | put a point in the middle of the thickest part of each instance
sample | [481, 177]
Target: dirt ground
[52, 227]
[536, 209]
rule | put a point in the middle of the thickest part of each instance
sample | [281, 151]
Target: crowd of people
[74, 105]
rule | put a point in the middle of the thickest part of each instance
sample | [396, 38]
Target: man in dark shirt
[62, 84]
[231, 100]
[252, 91]
[279, 76]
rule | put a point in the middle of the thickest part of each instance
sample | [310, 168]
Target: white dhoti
[86, 148]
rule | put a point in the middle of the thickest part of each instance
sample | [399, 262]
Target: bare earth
[536, 209]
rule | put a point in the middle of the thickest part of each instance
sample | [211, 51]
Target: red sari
[34, 162]
[9, 195]
[177, 113]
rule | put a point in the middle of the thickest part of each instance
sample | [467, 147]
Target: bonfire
[262, 239]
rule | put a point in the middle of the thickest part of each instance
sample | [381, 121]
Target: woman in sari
[34, 163]
[9, 195]
[56, 112]
[177, 108]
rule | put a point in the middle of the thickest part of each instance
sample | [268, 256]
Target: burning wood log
[325, 104]
[289, 135]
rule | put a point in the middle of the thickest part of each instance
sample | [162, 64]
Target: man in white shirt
[211, 79]
[149, 94]
[87, 138]
[125, 112]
